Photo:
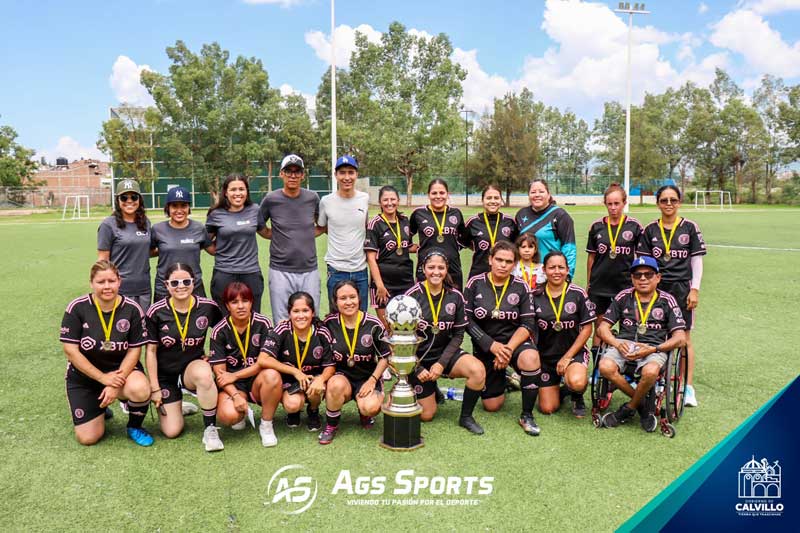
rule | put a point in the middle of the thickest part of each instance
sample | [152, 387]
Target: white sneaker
[211, 439]
[123, 406]
[689, 398]
[268, 438]
[240, 425]
[188, 408]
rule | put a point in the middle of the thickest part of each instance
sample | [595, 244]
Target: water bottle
[452, 393]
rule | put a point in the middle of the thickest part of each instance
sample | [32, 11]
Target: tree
[128, 139]
[767, 100]
[16, 166]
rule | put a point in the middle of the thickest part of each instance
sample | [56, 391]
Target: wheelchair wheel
[668, 430]
[601, 390]
[675, 383]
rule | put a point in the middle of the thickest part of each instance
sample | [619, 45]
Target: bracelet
[155, 390]
[373, 377]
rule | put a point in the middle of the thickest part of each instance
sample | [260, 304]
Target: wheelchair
[669, 389]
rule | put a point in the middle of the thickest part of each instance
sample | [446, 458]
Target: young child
[529, 268]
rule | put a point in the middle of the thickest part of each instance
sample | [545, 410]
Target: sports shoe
[240, 425]
[366, 421]
[579, 407]
[211, 439]
[268, 438]
[440, 399]
[529, 425]
[648, 421]
[469, 423]
[188, 408]
[108, 414]
[123, 406]
[689, 397]
[621, 416]
[513, 380]
[293, 420]
[327, 435]
[314, 421]
[140, 436]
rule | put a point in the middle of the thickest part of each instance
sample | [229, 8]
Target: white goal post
[718, 198]
[78, 201]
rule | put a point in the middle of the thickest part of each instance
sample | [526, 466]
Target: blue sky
[65, 63]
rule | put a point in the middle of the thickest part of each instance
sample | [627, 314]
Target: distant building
[88, 177]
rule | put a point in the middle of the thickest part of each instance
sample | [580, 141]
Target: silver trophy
[401, 414]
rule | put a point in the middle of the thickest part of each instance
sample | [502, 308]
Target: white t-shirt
[346, 219]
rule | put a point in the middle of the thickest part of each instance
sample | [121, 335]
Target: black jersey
[665, 317]
[577, 311]
[609, 276]
[163, 331]
[452, 321]
[280, 345]
[453, 231]
[82, 326]
[397, 271]
[516, 309]
[225, 349]
[686, 242]
[476, 236]
[370, 346]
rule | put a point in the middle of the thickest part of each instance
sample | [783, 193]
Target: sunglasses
[669, 201]
[648, 274]
[175, 283]
[129, 197]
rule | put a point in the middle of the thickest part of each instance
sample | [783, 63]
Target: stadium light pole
[333, 96]
[637, 9]
[466, 152]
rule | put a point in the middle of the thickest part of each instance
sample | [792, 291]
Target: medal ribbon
[351, 346]
[434, 310]
[668, 242]
[643, 315]
[396, 235]
[439, 225]
[492, 234]
[613, 239]
[560, 304]
[239, 340]
[530, 280]
[106, 327]
[182, 331]
[300, 359]
[499, 299]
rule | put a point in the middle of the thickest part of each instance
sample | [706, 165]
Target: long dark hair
[174, 267]
[435, 252]
[531, 240]
[222, 200]
[140, 216]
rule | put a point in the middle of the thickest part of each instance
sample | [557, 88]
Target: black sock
[575, 395]
[332, 417]
[136, 413]
[468, 402]
[530, 382]
[311, 410]
[210, 417]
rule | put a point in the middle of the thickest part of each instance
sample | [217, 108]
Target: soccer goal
[79, 204]
[704, 199]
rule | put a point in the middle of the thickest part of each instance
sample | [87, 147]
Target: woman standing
[440, 226]
[102, 334]
[360, 351]
[232, 222]
[501, 322]
[176, 331]
[552, 226]
[677, 244]
[565, 324]
[299, 349]
[485, 229]
[388, 246]
[124, 239]
[442, 327]
[179, 240]
[233, 355]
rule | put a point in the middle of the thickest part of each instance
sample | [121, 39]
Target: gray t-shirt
[292, 247]
[346, 219]
[237, 250]
[178, 245]
[129, 249]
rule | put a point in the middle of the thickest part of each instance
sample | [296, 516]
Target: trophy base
[401, 433]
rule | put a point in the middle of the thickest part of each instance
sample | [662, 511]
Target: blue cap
[644, 261]
[346, 160]
[178, 194]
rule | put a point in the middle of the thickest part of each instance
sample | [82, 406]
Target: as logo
[293, 492]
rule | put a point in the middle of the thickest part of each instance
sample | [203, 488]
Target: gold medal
[182, 330]
[497, 299]
[440, 239]
[666, 258]
[395, 232]
[434, 309]
[612, 254]
[558, 325]
[613, 238]
[301, 358]
[439, 225]
[668, 241]
[641, 329]
[399, 251]
[351, 363]
[242, 345]
[351, 346]
[106, 345]
[495, 313]
[492, 234]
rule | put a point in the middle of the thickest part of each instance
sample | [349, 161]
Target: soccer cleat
[211, 439]
[529, 425]
[188, 408]
[240, 425]
[327, 435]
[469, 423]
[579, 407]
[123, 406]
[108, 414]
[366, 421]
[293, 420]
[689, 397]
[512, 379]
[268, 438]
[621, 416]
[314, 421]
[140, 436]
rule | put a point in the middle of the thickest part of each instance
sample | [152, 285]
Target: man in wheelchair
[650, 326]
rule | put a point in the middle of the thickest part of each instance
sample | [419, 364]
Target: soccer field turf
[572, 477]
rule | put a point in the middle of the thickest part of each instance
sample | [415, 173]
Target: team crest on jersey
[570, 307]
[256, 340]
[480, 312]
[450, 308]
[87, 343]
[658, 313]
[601, 248]
[417, 389]
[317, 353]
[427, 231]
[506, 231]
[123, 325]
[165, 327]
[627, 235]
[79, 413]
[201, 322]
[545, 377]
[453, 219]
[513, 298]
[406, 230]
[164, 393]
[683, 238]
[542, 324]
[366, 340]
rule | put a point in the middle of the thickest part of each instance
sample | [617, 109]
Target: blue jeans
[361, 279]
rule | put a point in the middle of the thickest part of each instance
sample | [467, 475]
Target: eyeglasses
[175, 283]
[293, 172]
[668, 201]
[129, 197]
[647, 274]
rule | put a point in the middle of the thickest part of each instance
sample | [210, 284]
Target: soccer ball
[403, 313]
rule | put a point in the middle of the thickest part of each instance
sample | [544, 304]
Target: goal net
[704, 199]
[77, 205]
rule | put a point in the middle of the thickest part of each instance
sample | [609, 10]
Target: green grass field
[572, 477]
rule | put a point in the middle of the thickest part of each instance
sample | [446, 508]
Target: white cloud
[124, 81]
[702, 8]
[770, 7]
[72, 150]
[345, 42]
[480, 88]
[282, 3]
[311, 100]
[764, 48]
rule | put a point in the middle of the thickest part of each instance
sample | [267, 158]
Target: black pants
[220, 280]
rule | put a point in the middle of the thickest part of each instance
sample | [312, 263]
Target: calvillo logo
[291, 490]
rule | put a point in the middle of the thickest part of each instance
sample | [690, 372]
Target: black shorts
[82, 395]
[355, 385]
[550, 377]
[292, 386]
[246, 386]
[171, 385]
[496, 379]
[423, 390]
[680, 291]
[601, 303]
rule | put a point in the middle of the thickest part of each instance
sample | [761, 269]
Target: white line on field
[753, 248]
